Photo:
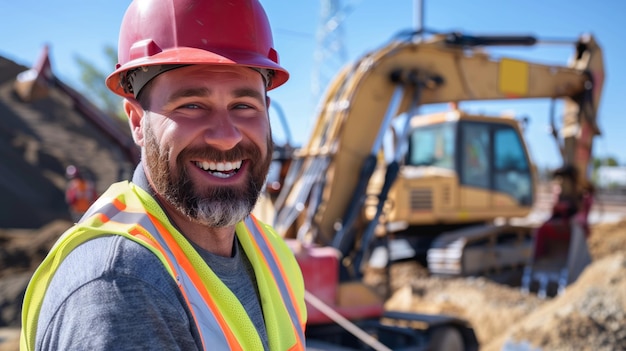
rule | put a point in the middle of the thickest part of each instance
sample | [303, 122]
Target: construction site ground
[589, 315]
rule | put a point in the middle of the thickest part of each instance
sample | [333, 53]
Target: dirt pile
[589, 315]
[40, 138]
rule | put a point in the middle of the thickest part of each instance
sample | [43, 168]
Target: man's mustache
[239, 152]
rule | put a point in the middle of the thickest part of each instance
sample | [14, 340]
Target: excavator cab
[463, 167]
[460, 170]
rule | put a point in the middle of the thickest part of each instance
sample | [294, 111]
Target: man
[173, 260]
[80, 193]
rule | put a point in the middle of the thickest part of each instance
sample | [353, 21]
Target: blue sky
[84, 28]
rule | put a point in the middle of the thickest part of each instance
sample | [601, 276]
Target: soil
[588, 315]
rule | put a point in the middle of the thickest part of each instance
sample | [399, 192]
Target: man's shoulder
[112, 281]
[110, 258]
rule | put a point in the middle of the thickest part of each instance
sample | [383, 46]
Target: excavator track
[481, 250]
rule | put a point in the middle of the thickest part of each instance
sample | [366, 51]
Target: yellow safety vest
[127, 210]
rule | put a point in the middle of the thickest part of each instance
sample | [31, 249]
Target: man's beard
[218, 206]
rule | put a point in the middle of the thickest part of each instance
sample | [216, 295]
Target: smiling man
[207, 145]
[173, 260]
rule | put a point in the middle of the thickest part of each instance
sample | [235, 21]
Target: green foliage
[93, 79]
[597, 163]
[605, 161]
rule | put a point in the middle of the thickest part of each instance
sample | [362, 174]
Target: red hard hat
[175, 32]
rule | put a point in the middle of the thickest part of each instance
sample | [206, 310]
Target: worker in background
[80, 192]
[173, 260]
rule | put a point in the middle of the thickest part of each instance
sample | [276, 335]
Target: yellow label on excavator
[513, 77]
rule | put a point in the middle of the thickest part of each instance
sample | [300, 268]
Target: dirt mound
[23, 250]
[40, 138]
[607, 239]
[489, 307]
[589, 315]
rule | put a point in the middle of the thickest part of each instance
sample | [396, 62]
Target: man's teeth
[219, 166]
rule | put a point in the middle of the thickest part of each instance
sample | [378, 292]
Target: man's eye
[190, 106]
[242, 106]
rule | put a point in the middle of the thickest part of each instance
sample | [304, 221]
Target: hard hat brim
[194, 56]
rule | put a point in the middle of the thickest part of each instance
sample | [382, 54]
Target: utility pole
[418, 10]
[330, 53]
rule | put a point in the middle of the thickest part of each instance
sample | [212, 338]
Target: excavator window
[494, 158]
[512, 172]
[476, 162]
[432, 146]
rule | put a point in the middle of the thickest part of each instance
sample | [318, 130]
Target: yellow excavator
[378, 181]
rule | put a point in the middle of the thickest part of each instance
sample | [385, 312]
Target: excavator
[377, 182]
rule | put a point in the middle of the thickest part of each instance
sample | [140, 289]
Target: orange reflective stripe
[137, 232]
[103, 218]
[297, 347]
[118, 204]
[183, 261]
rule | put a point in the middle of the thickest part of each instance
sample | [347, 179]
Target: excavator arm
[325, 187]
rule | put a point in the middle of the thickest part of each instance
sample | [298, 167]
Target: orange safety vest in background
[80, 194]
[127, 210]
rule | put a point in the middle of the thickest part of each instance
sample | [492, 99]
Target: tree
[93, 79]
[605, 161]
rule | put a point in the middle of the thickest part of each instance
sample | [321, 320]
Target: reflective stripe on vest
[222, 321]
[266, 250]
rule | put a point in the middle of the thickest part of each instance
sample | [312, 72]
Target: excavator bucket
[560, 255]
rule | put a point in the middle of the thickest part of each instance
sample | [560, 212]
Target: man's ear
[135, 113]
[267, 101]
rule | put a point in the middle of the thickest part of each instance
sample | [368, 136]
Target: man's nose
[222, 133]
